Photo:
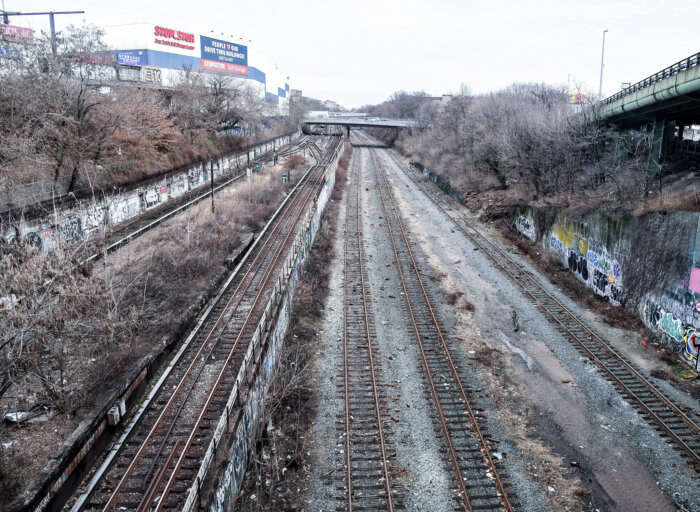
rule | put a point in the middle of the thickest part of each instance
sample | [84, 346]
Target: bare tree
[55, 102]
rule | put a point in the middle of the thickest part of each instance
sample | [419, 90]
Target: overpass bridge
[664, 102]
[359, 121]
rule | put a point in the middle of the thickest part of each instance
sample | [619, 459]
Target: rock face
[647, 264]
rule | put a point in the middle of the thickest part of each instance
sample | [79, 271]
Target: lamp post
[602, 61]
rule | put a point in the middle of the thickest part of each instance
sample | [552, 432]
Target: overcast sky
[361, 51]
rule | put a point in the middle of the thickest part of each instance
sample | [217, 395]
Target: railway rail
[130, 230]
[365, 425]
[662, 412]
[155, 464]
[479, 485]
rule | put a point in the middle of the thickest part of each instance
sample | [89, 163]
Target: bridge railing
[688, 63]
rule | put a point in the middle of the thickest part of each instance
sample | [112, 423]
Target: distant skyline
[363, 51]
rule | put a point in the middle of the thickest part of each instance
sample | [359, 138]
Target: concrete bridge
[664, 102]
[361, 121]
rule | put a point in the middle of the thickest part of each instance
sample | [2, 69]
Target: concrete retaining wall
[268, 340]
[648, 264]
[85, 217]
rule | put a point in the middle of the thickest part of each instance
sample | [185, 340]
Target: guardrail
[672, 70]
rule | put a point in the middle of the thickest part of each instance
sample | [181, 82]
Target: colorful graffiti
[673, 315]
[680, 336]
[589, 259]
[691, 345]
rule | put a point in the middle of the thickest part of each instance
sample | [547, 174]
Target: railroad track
[157, 462]
[365, 425]
[669, 418]
[479, 486]
[130, 230]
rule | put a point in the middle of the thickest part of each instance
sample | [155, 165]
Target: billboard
[16, 34]
[223, 56]
[128, 59]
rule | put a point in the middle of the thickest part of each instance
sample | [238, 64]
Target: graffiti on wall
[69, 227]
[92, 216]
[675, 322]
[526, 226]
[587, 258]
[124, 207]
[178, 186]
[79, 221]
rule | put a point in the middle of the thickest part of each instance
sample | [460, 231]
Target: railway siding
[255, 373]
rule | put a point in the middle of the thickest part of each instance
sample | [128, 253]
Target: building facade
[157, 54]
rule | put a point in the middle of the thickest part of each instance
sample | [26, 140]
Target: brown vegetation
[293, 162]
[525, 145]
[71, 331]
[66, 117]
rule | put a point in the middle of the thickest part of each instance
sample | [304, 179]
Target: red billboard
[16, 34]
[224, 67]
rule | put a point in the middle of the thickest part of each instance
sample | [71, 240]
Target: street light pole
[602, 64]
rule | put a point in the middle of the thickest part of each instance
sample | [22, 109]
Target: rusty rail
[617, 368]
[499, 499]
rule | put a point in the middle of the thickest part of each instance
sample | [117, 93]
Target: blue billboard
[128, 59]
[224, 56]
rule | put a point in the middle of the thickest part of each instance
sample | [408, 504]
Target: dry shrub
[187, 257]
[467, 305]
[453, 297]
[293, 162]
[58, 316]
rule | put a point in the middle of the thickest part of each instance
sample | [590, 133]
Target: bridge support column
[662, 145]
[348, 127]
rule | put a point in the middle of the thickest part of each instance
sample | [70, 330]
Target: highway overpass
[664, 102]
[308, 123]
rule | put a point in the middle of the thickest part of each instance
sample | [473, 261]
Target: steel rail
[221, 295]
[262, 291]
[476, 235]
[465, 400]
[373, 378]
[247, 280]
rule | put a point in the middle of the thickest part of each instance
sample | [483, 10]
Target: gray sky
[361, 51]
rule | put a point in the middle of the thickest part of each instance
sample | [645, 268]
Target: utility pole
[211, 176]
[50, 14]
[602, 64]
